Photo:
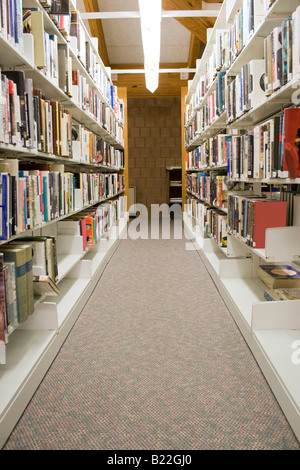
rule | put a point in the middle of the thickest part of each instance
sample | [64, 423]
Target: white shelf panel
[96, 258]
[10, 55]
[244, 292]
[65, 263]
[277, 347]
[70, 292]
[24, 350]
[215, 258]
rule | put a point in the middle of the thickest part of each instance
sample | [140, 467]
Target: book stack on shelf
[62, 186]
[242, 130]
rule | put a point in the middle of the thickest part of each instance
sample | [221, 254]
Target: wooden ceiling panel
[197, 26]
[169, 83]
[97, 30]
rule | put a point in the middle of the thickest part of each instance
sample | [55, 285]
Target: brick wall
[154, 142]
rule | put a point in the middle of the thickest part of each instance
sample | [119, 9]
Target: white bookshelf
[270, 328]
[33, 345]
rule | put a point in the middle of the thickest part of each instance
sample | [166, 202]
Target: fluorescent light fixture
[150, 26]
[150, 11]
[151, 76]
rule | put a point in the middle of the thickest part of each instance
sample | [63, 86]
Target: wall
[154, 130]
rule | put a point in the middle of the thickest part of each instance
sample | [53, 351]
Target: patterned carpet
[155, 361]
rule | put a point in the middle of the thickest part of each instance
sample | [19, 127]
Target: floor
[155, 361]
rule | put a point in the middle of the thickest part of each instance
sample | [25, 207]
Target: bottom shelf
[276, 355]
[26, 356]
[270, 328]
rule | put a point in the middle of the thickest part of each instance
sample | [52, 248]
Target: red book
[90, 231]
[266, 214]
[291, 134]
[83, 232]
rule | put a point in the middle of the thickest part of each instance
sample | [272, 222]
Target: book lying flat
[279, 276]
[44, 285]
[289, 294]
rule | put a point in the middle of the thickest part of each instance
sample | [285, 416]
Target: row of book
[33, 24]
[28, 120]
[249, 217]
[212, 153]
[270, 150]
[87, 147]
[11, 26]
[210, 111]
[56, 62]
[33, 194]
[282, 53]
[257, 79]
[245, 91]
[210, 188]
[212, 221]
[29, 265]
[92, 223]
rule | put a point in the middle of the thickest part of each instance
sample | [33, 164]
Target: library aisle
[160, 365]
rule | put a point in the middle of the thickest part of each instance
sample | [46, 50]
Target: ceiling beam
[169, 70]
[97, 30]
[105, 15]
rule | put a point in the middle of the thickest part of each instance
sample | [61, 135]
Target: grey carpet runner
[155, 361]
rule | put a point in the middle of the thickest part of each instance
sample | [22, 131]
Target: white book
[277, 58]
[246, 21]
[256, 159]
[82, 50]
[259, 13]
[69, 227]
[296, 42]
[256, 85]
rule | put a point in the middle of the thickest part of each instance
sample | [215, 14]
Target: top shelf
[255, 47]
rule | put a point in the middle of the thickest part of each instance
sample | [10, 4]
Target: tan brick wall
[154, 143]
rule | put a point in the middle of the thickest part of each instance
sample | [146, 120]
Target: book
[271, 295]
[256, 85]
[289, 293]
[33, 23]
[44, 285]
[17, 255]
[59, 7]
[3, 311]
[29, 276]
[11, 296]
[291, 136]
[279, 276]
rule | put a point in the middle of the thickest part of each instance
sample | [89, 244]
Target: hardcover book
[279, 276]
[18, 256]
[291, 134]
[289, 293]
[44, 285]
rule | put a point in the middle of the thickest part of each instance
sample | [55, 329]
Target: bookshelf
[174, 185]
[270, 328]
[98, 158]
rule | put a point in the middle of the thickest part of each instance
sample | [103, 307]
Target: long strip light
[151, 31]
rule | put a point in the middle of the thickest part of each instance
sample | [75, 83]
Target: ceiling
[120, 42]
